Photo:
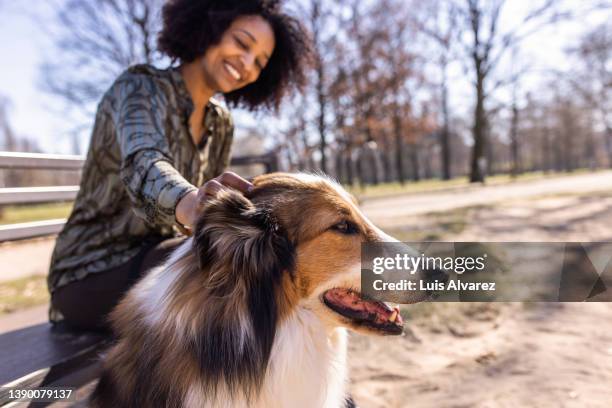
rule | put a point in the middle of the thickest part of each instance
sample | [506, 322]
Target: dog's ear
[243, 254]
[232, 232]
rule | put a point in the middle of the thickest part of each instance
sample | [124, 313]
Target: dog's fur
[235, 317]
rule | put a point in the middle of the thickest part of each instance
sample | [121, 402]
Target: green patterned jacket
[141, 162]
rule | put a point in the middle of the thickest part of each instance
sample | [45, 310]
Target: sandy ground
[548, 355]
[496, 355]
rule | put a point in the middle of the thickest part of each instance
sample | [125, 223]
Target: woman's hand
[189, 206]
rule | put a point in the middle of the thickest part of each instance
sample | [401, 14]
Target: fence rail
[36, 161]
[37, 194]
[11, 160]
[34, 229]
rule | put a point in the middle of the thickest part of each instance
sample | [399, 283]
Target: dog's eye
[345, 227]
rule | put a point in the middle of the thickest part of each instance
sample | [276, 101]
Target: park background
[455, 120]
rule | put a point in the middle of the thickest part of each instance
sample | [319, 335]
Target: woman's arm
[152, 183]
[158, 192]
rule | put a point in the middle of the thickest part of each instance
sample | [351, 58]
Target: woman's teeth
[232, 71]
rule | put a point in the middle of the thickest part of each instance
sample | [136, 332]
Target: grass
[23, 293]
[431, 185]
[385, 189]
[33, 212]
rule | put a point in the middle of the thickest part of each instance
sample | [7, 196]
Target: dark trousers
[86, 304]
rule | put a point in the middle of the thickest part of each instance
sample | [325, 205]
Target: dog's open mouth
[364, 312]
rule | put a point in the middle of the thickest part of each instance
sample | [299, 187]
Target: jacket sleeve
[224, 156]
[152, 183]
[222, 150]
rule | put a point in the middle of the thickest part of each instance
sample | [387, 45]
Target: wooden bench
[50, 356]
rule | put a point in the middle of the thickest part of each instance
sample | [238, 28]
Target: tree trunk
[608, 141]
[320, 74]
[399, 149]
[349, 167]
[321, 98]
[514, 143]
[546, 152]
[478, 158]
[445, 133]
[385, 156]
[360, 170]
[414, 161]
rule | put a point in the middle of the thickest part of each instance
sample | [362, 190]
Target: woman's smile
[233, 72]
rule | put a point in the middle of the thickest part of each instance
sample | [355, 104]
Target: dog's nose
[432, 275]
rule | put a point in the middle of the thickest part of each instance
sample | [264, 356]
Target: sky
[24, 43]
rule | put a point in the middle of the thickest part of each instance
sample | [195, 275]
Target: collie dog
[252, 309]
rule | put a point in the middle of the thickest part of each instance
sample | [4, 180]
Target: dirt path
[497, 355]
[391, 211]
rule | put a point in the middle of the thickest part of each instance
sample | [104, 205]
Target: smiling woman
[161, 142]
[245, 33]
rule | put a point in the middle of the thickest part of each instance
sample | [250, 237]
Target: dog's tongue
[374, 310]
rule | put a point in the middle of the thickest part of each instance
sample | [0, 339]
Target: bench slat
[45, 347]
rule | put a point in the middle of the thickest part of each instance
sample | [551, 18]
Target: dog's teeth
[393, 316]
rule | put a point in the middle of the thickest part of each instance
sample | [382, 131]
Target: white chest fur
[307, 368]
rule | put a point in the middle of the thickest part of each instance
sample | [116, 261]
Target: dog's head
[295, 240]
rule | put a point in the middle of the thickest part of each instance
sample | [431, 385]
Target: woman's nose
[248, 63]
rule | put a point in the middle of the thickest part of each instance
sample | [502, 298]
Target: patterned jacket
[141, 162]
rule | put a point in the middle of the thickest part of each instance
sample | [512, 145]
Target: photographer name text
[437, 286]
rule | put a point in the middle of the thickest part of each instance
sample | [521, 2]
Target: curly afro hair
[191, 26]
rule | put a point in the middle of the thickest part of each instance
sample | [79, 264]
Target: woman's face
[240, 56]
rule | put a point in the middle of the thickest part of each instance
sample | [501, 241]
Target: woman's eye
[241, 43]
[345, 227]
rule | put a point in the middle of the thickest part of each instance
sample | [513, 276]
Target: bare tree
[486, 46]
[515, 152]
[13, 142]
[317, 15]
[400, 63]
[294, 136]
[97, 39]
[593, 80]
[342, 111]
[7, 137]
[438, 21]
